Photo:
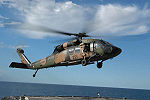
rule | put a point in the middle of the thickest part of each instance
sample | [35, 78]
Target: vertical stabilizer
[24, 59]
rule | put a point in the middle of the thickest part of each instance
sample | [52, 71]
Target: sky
[124, 23]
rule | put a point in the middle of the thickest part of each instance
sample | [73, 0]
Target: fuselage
[73, 52]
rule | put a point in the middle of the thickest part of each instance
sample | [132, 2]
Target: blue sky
[126, 20]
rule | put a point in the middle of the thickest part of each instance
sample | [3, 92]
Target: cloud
[17, 46]
[11, 24]
[21, 46]
[5, 1]
[1, 20]
[121, 20]
[2, 45]
[1, 25]
[2, 17]
[109, 19]
[62, 16]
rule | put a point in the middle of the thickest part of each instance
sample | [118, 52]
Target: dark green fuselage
[73, 52]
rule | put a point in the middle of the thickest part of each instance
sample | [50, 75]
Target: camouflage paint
[60, 57]
[71, 52]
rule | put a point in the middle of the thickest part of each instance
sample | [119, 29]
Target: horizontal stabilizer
[19, 65]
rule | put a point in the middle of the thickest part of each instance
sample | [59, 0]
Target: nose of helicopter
[116, 51]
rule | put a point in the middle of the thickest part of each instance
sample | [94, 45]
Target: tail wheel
[83, 62]
[35, 73]
[99, 65]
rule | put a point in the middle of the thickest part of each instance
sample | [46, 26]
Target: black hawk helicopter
[78, 51]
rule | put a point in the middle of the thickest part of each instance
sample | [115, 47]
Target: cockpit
[58, 48]
[105, 43]
[87, 45]
[64, 46]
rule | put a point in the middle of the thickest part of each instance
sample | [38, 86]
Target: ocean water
[33, 89]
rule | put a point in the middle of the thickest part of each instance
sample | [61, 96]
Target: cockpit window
[108, 43]
[59, 48]
[103, 42]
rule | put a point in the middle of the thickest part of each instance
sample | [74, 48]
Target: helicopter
[74, 52]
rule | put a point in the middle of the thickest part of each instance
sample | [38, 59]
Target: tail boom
[20, 65]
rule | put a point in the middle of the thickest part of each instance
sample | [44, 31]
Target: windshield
[105, 42]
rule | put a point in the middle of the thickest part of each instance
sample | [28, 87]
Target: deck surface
[61, 98]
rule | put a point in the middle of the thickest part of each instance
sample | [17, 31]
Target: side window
[77, 50]
[71, 50]
[92, 46]
[87, 47]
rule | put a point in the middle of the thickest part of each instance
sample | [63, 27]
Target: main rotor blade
[63, 40]
[38, 28]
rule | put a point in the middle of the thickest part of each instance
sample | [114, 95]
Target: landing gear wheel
[83, 62]
[35, 73]
[99, 65]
